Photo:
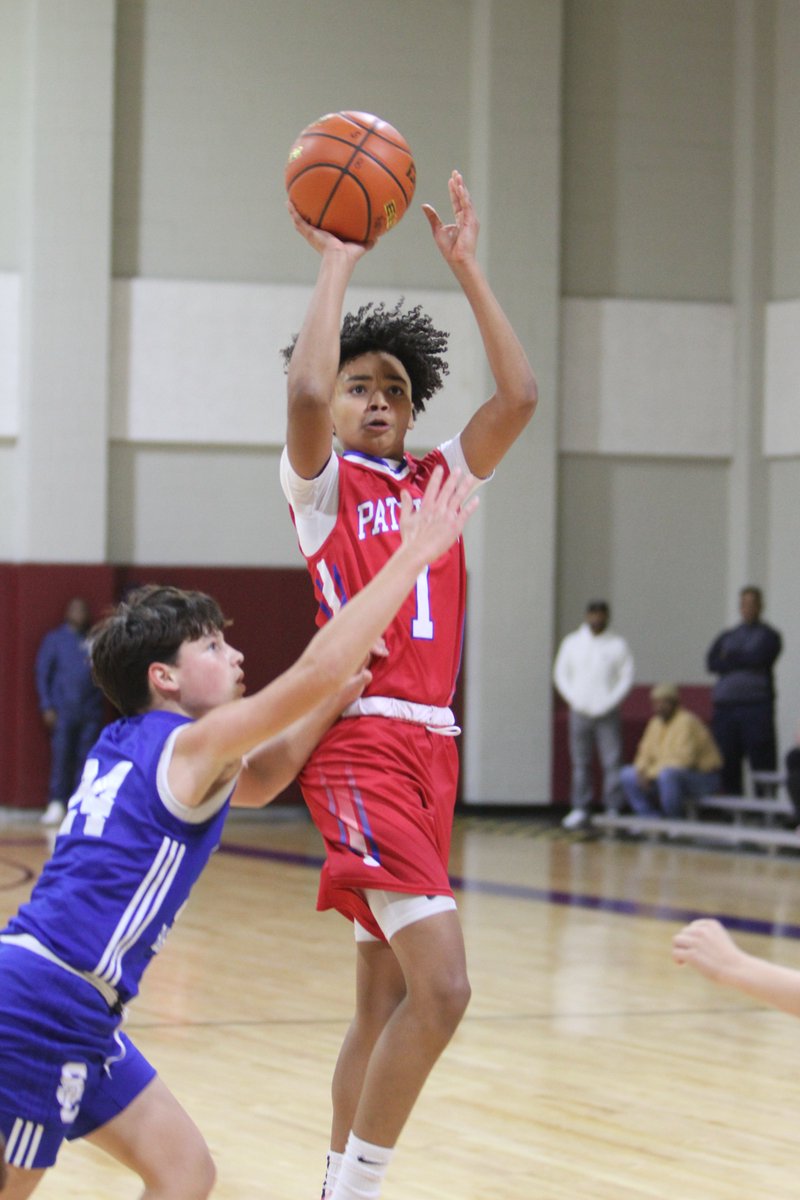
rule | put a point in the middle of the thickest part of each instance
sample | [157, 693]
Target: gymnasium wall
[648, 148]
[144, 418]
[785, 249]
[666, 553]
[680, 336]
[636, 171]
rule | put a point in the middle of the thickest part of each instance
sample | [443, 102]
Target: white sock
[332, 1166]
[362, 1170]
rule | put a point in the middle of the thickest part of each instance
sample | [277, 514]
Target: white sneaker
[54, 813]
[576, 818]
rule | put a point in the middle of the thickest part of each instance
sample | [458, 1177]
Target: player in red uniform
[381, 785]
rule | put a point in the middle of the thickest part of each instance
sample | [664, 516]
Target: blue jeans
[73, 737]
[668, 793]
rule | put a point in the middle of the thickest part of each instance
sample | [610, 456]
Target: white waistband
[436, 720]
[28, 942]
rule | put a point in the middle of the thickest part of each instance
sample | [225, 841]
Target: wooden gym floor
[588, 1067]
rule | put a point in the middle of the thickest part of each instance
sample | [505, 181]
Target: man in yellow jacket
[676, 760]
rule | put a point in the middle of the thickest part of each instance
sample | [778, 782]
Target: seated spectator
[677, 759]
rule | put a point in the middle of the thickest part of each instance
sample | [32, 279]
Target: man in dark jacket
[743, 719]
[70, 703]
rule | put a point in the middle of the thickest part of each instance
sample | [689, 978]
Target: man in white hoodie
[593, 672]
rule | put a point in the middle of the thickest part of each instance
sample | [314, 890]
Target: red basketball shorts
[381, 792]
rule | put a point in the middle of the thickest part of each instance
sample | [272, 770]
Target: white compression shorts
[395, 910]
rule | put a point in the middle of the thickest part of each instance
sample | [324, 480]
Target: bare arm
[708, 947]
[314, 364]
[501, 419]
[211, 748]
[271, 767]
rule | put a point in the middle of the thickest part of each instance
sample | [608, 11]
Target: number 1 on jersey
[422, 625]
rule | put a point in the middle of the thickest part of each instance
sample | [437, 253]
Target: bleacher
[764, 818]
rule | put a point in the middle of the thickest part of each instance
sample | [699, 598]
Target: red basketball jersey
[425, 638]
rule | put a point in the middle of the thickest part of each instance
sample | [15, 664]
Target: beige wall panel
[199, 362]
[647, 378]
[210, 97]
[183, 506]
[9, 355]
[647, 151]
[14, 51]
[783, 590]
[782, 384]
[8, 498]
[786, 242]
[650, 537]
[65, 282]
[512, 576]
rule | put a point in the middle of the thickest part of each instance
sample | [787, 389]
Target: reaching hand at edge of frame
[320, 240]
[708, 947]
[456, 241]
[439, 519]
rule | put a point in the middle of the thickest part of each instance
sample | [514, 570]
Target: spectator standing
[593, 672]
[71, 705]
[743, 719]
[677, 759]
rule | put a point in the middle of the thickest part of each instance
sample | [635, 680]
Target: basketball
[351, 174]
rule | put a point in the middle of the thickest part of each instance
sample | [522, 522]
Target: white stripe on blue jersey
[124, 866]
[144, 905]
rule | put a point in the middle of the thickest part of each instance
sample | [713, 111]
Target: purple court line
[514, 891]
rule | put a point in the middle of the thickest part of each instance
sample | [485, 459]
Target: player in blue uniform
[138, 832]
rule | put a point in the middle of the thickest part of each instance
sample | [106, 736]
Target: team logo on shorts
[70, 1091]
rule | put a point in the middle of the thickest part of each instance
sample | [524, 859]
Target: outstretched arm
[708, 947]
[500, 420]
[314, 364]
[271, 767]
[208, 748]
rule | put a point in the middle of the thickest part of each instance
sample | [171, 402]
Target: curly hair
[149, 626]
[409, 335]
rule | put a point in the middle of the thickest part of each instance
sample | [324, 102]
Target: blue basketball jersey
[125, 860]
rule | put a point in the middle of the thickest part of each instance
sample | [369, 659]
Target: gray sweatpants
[606, 734]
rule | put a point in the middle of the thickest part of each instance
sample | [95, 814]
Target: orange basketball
[351, 174]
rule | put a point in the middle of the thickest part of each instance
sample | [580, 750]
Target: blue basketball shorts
[65, 1066]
